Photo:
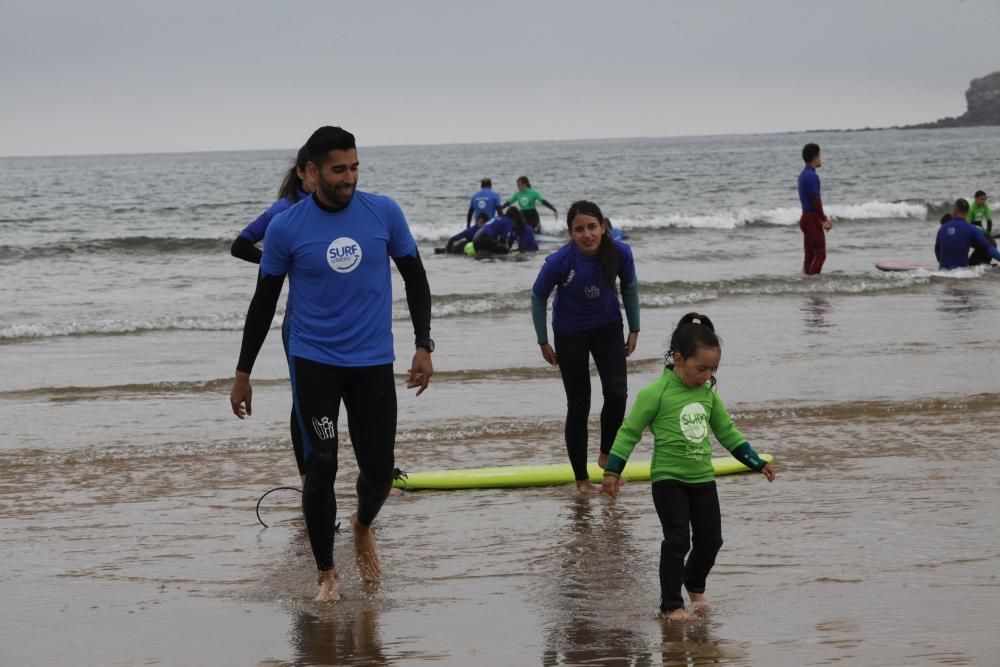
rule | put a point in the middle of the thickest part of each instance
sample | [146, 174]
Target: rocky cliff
[982, 105]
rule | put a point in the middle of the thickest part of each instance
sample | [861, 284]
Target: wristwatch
[426, 343]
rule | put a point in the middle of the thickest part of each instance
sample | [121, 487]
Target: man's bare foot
[677, 615]
[584, 486]
[328, 591]
[365, 551]
[699, 603]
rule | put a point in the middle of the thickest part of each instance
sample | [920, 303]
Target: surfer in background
[981, 217]
[296, 186]
[956, 237]
[587, 321]
[335, 246]
[813, 223]
[456, 244]
[680, 408]
[525, 198]
[485, 202]
[503, 233]
[979, 212]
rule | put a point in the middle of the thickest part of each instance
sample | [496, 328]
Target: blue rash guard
[955, 239]
[485, 201]
[809, 192]
[255, 231]
[583, 298]
[502, 229]
[338, 269]
[462, 237]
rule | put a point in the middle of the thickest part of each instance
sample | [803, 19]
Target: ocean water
[127, 488]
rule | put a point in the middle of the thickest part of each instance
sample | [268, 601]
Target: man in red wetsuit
[813, 223]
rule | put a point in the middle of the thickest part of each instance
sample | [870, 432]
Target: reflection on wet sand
[598, 567]
[346, 633]
[695, 643]
[815, 310]
[962, 299]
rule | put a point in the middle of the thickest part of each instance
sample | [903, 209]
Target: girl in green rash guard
[526, 197]
[680, 408]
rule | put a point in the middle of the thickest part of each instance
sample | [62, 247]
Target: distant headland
[982, 102]
[982, 107]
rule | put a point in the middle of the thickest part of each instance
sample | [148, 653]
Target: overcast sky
[111, 76]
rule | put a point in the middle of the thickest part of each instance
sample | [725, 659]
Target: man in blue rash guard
[335, 248]
[813, 223]
[956, 237]
[485, 201]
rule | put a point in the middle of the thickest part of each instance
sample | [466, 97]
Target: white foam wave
[110, 327]
[786, 215]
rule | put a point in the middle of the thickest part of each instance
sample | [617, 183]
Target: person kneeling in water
[456, 244]
[500, 234]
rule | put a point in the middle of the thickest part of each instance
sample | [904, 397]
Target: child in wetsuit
[680, 408]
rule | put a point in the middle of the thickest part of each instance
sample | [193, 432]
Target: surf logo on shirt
[325, 428]
[592, 291]
[343, 255]
[694, 422]
[569, 278]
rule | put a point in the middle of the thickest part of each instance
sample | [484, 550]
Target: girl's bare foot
[328, 591]
[678, 615]
[365, 551]
[699, 603]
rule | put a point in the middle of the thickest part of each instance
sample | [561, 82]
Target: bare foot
[365, 551]
[584, 486]
[328, 591]
[678, 615]
[699, 603]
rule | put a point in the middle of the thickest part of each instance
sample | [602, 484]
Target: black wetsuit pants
[293, 421]
[369, 395]
[691, 520]
[531, 218]
[980, 256]
[573, 350]
[484, 243]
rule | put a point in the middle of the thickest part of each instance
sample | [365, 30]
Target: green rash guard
[680, 419]
[979, 215]
[525, 199]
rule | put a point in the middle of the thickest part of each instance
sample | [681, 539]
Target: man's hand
[421, 370]
[240, 395]
[827, 225]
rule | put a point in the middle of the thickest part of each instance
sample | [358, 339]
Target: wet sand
[876, 545]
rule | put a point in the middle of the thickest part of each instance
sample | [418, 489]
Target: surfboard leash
[336, 526]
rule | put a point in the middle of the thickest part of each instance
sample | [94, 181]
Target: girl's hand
[630, 342]
[610, 485]
[549, 355]
[767, 471]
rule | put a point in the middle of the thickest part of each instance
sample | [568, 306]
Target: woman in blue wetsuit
[587, 321]
[294, 187]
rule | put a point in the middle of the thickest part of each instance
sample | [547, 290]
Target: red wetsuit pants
[815, 243]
